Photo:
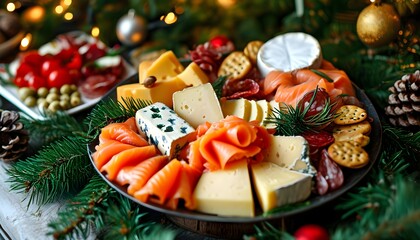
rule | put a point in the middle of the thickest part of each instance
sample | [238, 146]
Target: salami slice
[330, 171]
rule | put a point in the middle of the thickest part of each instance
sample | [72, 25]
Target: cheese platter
[73, 59]
[351, 178]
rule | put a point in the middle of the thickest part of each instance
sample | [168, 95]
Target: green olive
[40, 100]
[54, 90]
[42, 105]
[73, 87]
[54, 106]
[25, 92]
[30, 101]
[75, 101]
[65, 97]
[65, 89]
[52, 97]
[65, 104]
[75, 94]
[42, 92]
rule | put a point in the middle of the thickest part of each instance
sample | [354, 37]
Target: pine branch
[218, 86]
[53, 127]
[384, 210]
[268, 232]
[87, 207]
[56, 170]
[109, 111]
[124, 220]
[400, 139]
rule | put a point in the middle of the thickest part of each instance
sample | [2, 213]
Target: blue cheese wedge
[288, 52]
[276, 186]
[291, 152]
[164, 128]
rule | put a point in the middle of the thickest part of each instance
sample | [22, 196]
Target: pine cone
[404, 101]
[13, 138]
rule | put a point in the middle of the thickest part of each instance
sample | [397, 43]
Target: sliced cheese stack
[171, 76]
[198, 105]
[226, 192]
[249, 110]
[164, 128]
[288, 52]
[276, 186]
[291, 152]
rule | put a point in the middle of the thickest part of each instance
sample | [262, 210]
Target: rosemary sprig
[292, 121]
[218, 86]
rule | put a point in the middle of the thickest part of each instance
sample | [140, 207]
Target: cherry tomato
[35, 81]
[48, 66]
[75, 61]
[59, 77]
[23, 69]
[19, 81]
[33, 58]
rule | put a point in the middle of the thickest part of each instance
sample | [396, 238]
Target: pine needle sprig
[109, 111]
[125, 220]
[53, 126]
[218, 86]
[407, 141]
[87, 207]
[389, 209]
[268, 232]
[60, 168]
[290, 121]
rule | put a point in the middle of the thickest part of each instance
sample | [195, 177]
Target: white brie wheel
[288, 52]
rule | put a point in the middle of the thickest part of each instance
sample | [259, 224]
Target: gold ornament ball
[378, 25]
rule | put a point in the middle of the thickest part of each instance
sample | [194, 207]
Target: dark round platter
[351, 176]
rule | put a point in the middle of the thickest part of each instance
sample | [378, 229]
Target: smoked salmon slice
[106, 150]
[230, 139]
[122, 132]
[290, 87]
[184, 188]
[129, 157]
[137, 176]
[159, 186]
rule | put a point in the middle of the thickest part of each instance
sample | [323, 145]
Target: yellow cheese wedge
[193, 75]
[237, 107]
[226, 192]
[164, 68]
[198, 105]
[160, 92]
[276, 186]
[143, 66]
[266, 110]
[256, 112]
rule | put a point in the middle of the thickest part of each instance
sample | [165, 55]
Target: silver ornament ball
[131, 29]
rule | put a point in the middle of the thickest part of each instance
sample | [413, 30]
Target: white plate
[9, 91]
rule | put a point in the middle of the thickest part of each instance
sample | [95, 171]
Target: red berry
[311, 232]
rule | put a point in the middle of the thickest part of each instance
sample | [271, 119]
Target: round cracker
[348, 154]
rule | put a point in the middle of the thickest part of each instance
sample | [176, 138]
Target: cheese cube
[237, 107]
[164, 129]
[160, 92]
[198, 105]
[163, 68]
[193, 75]
[226, 192]
[276, 186]
[291, 152]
